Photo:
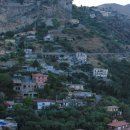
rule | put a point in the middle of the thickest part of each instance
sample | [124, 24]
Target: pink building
[40, 79]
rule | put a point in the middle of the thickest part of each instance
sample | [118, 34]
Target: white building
[74, 21]
[31, 37]
[82, 94]
[105, 14]
[92, 16]
[98, 72]
[112, 108]
[76, 86]
[31, 33]
[49, 23]
[48, 38]
[12, 41]
[44, 103]
[81, 57]
[28, 51]
[49, 68]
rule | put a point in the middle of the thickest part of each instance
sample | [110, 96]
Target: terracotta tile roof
[116, 123]
[38, 75]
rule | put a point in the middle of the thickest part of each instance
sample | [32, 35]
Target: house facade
[112, 108]
[48, 38]
[70, 102]
[8, 64]
[31, 37]
[81, 57]
[74, 22]
[12, 41]
[82, 94]
[76, 86]
[9, 104]
[92, 16]
[40, 79]
[25, 86]
[99, 72]
[105, 13]
[28, 51]
[44, 103]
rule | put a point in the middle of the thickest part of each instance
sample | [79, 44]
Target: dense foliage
[63, 119]
[6, 84]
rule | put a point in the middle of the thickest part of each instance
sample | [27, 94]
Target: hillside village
[59, 70]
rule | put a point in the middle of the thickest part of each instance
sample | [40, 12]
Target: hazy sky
[99, 2]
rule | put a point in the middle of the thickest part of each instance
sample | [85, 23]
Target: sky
[99, 2]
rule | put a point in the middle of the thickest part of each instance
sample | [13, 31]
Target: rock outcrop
[14, 14]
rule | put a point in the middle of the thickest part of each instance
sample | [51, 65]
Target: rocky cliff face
[15, 15]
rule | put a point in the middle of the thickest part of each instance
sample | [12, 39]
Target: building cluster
[34, 77]
[27, 85]
[74, 58]
[35, 61]
[104, 13]
[41, 104]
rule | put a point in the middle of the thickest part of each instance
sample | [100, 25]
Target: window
[25, 95]
[17, 88]
[119, 128]
[35, 95]
[24, 86]
[31, 94]
[43, 105]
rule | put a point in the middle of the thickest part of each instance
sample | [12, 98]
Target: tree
[9, 34]
[36, 64]
[54, 88]
[55, 23]
[64, 66]
[41, 31]
[28, 102]
[3, 112]
[6, 84]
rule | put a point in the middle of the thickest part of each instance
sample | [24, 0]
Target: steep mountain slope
[15, 14]
[125, 10]
[104, 33]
